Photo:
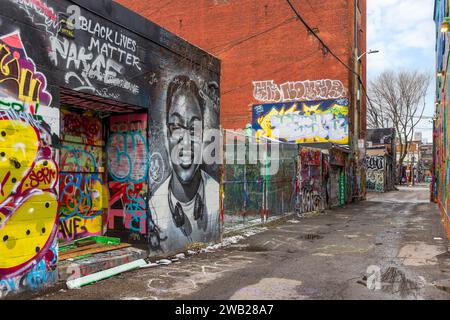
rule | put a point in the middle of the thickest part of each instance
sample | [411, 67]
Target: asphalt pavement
[392, 246]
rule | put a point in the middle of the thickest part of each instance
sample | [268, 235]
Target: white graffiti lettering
[375, 163]
[294, 127]
[116, 43]
[24, 117]
[87, 67]
[268, 91]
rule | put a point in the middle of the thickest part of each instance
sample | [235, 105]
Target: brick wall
[262, 40]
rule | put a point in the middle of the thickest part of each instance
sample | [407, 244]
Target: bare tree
[397, 100]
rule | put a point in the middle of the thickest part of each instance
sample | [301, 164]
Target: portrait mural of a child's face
[184, 128]
[185, 206]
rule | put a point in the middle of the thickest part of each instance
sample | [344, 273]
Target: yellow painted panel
[19, 143]
[25, 234]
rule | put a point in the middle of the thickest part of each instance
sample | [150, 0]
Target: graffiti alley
[193, 150]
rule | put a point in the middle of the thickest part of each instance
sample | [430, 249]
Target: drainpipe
[355, 136]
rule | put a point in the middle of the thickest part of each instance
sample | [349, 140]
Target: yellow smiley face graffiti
[28, 230]
[30, 207]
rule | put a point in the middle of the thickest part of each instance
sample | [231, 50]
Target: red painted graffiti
[44, 175]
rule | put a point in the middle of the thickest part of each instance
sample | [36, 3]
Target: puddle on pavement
[323, 254]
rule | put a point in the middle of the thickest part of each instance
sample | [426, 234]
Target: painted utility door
[342, 188]
[83, 198]
[335, 190]
[128, 166]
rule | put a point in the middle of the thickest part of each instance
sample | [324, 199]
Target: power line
[239, 41]
[328, 50]
[271, 72]
[318, 38]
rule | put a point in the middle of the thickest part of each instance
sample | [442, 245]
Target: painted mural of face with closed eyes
[185, 134]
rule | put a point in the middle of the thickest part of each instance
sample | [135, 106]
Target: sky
[404, 32]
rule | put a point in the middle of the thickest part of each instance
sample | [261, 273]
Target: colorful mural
[303, 122]
[441, 158]
[82, 197]
[28, 174]
[128, 166]
[184, 203]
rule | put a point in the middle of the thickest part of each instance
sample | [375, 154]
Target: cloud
[404, 32]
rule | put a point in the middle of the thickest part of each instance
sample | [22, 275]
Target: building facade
[268, 55]
[441, 154]
[275, 71]
[93, 98]
[409, 170]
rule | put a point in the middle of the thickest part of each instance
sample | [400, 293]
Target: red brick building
[264, 40]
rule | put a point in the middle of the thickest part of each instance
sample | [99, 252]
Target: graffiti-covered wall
[128, 167]
[91, 111]
[311, 196]
[376, 173]
[82, 196]
[28, 171]
[441, 165]
[303, 122]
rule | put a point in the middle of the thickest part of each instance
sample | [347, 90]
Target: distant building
[418, 136]
[426, 162]
[409, 169]
[413, 156]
